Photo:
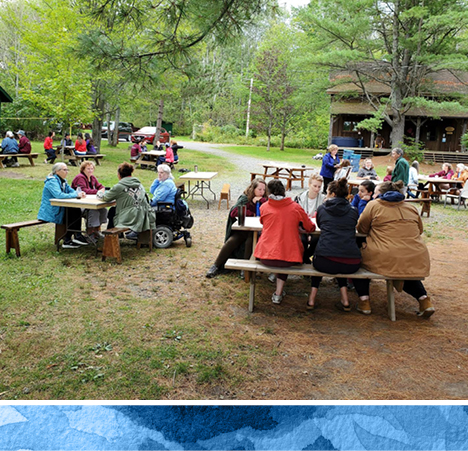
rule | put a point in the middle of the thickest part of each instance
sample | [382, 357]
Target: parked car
[148, 133]
[125, 130]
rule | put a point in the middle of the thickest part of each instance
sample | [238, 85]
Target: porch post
[464, 125]
[330, 129]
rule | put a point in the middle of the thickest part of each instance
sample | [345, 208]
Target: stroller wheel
[163, 237]
[188, 241]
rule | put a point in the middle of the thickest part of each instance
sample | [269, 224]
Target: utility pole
[248, 109]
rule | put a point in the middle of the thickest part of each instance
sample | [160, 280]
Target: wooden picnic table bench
[12, 238]
[111, 246]
[308, 270]
[30, 156]
[69, 154]
[425, 203]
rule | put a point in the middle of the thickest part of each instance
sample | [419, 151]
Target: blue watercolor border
[233, 427]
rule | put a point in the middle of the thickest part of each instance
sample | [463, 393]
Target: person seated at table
[57, 187]
[413, 181]
[365, 194]
[388, 174]
[49, 148]
[445, 173]
[342, 170]
[24, 145]
[163, 188]
[280, 244]
[175, 148]
[168, 158]
[336, 251]
[90, 185]
[329, 164]
[66, 141]
[132, 209]
[310, 200]
[367, 171]
[135, 151]
[90, 149]
[10, 147]
[80, 144]
[158, 146]
[461, 174]
[238, 243]
[393, 228]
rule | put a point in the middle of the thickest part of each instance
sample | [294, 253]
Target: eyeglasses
[66, 170]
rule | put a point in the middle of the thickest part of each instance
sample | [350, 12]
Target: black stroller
[172, 222]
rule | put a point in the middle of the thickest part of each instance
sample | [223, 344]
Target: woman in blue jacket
[57, 187]
[329, 164]
[163, 188]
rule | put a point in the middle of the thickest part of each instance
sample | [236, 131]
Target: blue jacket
[54, 188]
[359, 204]
[10, 145]
[328, 163]
[163, 191]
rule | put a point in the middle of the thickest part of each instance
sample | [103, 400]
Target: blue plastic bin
[347, 154]
[355, 160]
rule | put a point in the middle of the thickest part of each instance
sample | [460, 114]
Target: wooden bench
[111, 246]
[254, 175]
[425, 202]
[308, 270]
[30, 156]
[12, 239]
[225, 194]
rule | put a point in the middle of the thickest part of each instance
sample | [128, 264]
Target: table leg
[31, 161]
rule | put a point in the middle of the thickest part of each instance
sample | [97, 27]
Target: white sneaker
[277, 298]
[70, 245]
[80, 240]
[15, 165]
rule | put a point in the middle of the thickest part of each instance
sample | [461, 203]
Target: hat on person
[21, 132]
[168, 145]
[9, 134]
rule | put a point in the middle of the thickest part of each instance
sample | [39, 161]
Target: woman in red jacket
[280, 244]
[49, 148]
[80, 145]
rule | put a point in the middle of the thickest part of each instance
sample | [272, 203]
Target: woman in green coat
[132, 207]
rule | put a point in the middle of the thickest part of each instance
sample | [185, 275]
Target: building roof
[364, 109]
[4, 97]
[444, 82]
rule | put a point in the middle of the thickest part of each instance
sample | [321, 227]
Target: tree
[396, 43]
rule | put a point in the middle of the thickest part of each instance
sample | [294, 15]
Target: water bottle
[195, 168]
[78, 192]
[258, 208]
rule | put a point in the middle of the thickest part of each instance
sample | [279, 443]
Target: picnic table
[29, 156]
[202, 182]
[152, 157]
[68, 152]
[433, 185]
[90, 202]
[289, 172]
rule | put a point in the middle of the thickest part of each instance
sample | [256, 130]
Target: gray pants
[95, 217]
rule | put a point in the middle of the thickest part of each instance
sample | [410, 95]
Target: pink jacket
[442, 174]
[88, 186]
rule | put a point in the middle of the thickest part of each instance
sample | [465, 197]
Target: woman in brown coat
[394, 246]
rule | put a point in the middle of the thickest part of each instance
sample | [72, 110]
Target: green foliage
[413, 150]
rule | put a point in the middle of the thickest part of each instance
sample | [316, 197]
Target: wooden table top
[158, 153]
[198, 176]
[426, 178]
[90, 202]
[287, 166]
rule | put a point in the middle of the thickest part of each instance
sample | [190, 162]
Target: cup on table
[195, 168]
[241, 212]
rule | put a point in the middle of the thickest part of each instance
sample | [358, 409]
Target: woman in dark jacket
[254, 196]
[336, 251]
[330, 163]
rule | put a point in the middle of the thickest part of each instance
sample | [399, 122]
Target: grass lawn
[73, 327]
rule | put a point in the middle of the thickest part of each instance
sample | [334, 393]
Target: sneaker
[45, 161]
[15, 165]
[131, 235]
[99, 235]
[242, 274]
[80, 240]
[342, 308]
[70, 245]
[212, 272]
[277, 298]
[426, 309]
[272, 277]
[364, 307]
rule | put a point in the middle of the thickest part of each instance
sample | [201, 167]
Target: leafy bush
[413, 150]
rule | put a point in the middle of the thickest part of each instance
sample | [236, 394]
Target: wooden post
[159, 122]
[248, 109]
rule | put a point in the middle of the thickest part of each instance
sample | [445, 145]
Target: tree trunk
[159, 122]
[97, 122]
[283, 136]
[269, 137]
[115, 132]
[330, 130]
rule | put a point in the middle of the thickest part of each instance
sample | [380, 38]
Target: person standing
[401, 169]
[24, 144]
[49, 148]
[10, 146]
[330, 163]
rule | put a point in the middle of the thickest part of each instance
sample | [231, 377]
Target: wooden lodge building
[349, 106]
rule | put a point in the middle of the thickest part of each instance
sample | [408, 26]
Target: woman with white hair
[461, 173]
[10, 146]
[163, 188]
[57, 187]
